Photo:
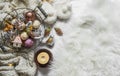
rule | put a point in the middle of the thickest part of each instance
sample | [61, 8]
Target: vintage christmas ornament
[30, 16]
[43, 57]
[24, 36]
[17, 42]
[50, 40]
[29, 30]
[47, 31]
[36, 24]
[30, 33]
[29, 43]
[8, 26]
[22, 26]
[29, 23]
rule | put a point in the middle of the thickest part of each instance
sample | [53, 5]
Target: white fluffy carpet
[91, 42]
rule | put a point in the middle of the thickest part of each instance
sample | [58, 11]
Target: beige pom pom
[24, 36]
[36, 24]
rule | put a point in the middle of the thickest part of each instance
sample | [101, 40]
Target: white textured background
[91, 42]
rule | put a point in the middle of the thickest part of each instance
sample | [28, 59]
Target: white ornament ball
[36, 24]
[14, 21]
[24, 36]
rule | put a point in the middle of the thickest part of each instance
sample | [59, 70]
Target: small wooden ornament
[17, 42]
[43, 57]
[50, 40]
[59, 31]
[8, 26]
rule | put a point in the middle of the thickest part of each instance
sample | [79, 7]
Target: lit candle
[43, 57]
